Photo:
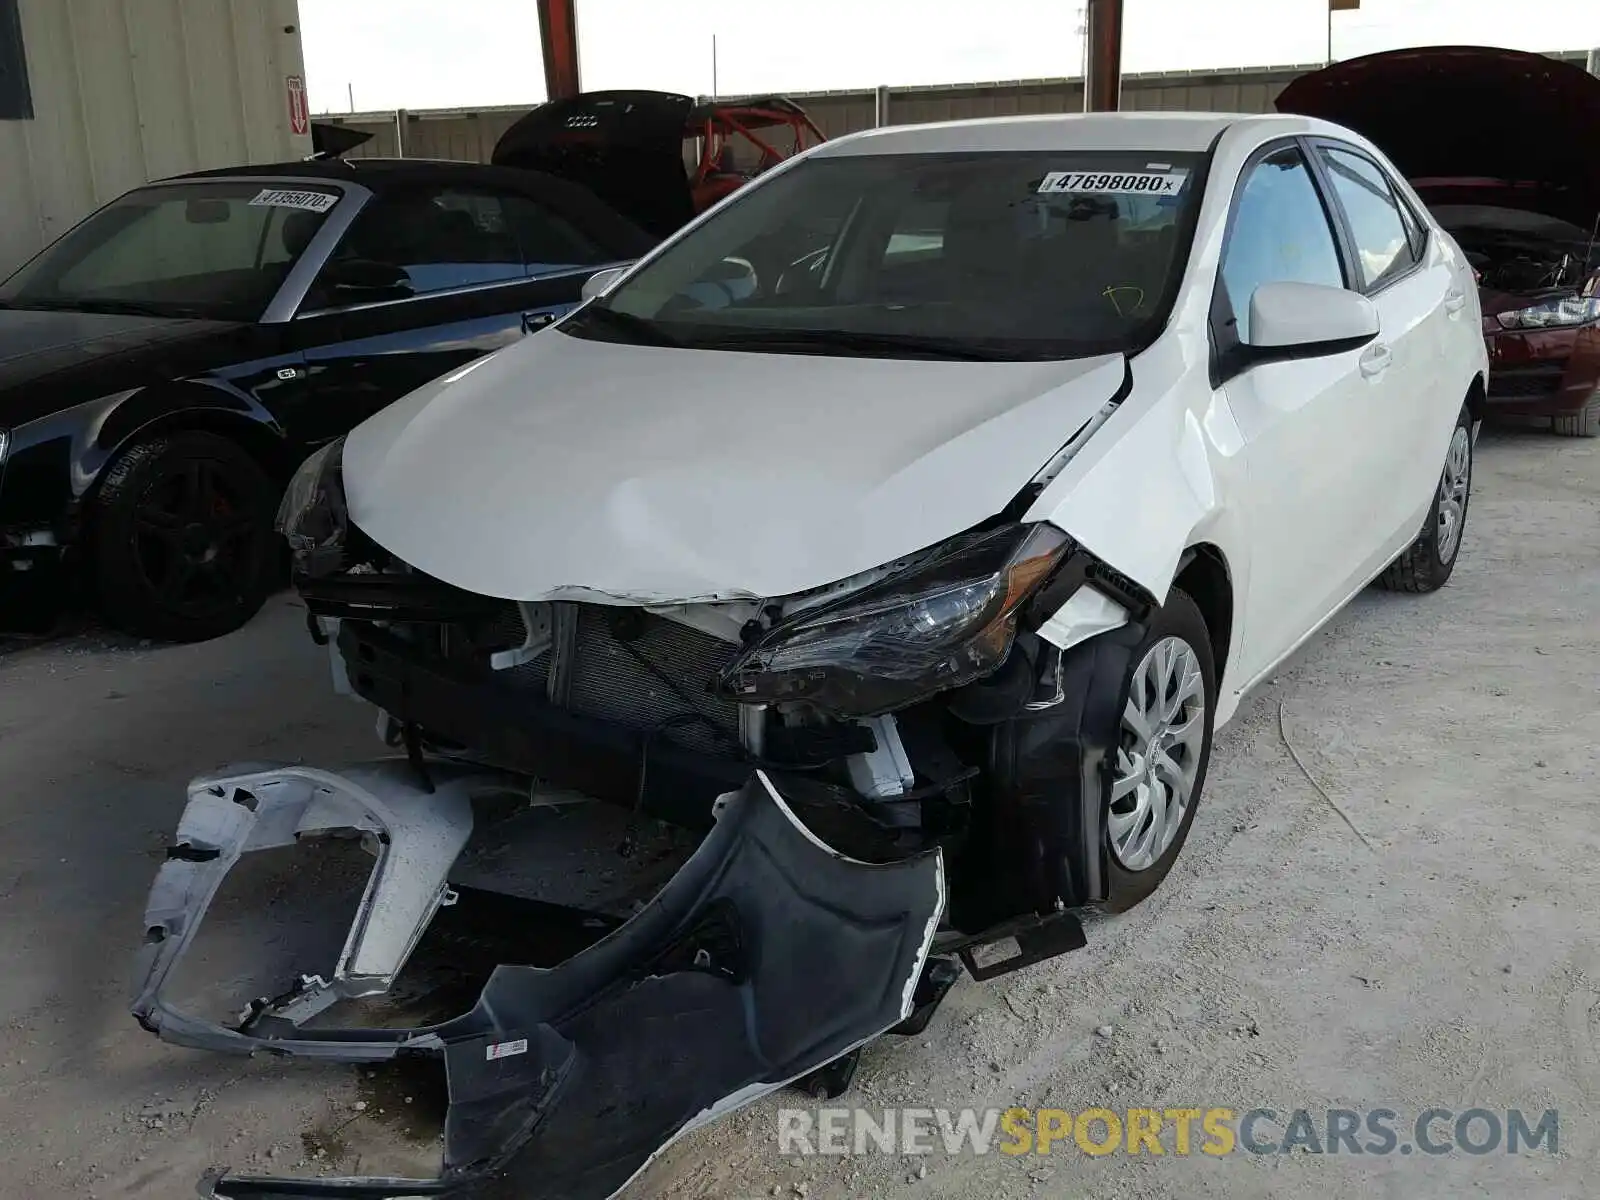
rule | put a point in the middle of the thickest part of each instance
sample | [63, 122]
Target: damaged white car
[908, 525]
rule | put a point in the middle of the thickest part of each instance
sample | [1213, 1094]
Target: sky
[468, 53]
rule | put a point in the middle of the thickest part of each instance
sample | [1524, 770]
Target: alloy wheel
[1453, 484]
[196, 542]
[1158, 761]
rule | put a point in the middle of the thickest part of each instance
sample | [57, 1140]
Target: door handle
[532, 322]
[1376, 361]
[1454, 301]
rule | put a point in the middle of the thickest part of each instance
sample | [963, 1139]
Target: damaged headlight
[1565, 313]
[945, 622]
[313, 516]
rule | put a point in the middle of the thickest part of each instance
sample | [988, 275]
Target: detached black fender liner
[768, 955]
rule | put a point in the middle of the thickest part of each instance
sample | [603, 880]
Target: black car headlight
[946, 621]
[313, 516]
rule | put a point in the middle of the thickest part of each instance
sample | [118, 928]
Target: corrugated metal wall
[470, 134]
[462, 134]
[125, 91]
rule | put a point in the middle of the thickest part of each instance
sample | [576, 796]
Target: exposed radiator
[605, 680]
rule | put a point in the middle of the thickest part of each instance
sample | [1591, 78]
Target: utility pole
[713, 68]
[1333, 7]
[1102, 85]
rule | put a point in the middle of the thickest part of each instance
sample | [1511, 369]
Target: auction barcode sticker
[506, 1049]
[318, 202]
[1116, 183]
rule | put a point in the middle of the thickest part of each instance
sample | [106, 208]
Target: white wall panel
[125, 91]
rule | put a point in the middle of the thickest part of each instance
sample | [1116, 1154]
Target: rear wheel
[1428, 561]
[181, 541]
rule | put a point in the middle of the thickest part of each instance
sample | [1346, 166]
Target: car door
[1307, 424]
[1418, 301]
[470, 289]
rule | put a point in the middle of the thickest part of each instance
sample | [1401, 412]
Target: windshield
[1036, 255]
[216, 250]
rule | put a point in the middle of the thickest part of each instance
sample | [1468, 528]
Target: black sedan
[167, 363]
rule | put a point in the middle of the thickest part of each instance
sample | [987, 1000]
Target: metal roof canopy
[558, 38]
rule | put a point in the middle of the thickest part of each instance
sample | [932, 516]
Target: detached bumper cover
[768, 955]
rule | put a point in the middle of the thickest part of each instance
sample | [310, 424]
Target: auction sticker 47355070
[1115, 183]
[307, 201]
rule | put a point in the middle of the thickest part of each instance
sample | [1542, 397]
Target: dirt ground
[1451, 958]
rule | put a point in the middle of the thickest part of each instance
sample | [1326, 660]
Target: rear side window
[1385, 245]
[1280, 233]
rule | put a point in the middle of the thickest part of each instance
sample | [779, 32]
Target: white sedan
[929, 503]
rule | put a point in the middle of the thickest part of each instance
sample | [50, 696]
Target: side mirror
[362, 278]
[1308, 320]
[600, 281]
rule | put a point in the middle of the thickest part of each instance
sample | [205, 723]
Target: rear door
[1419, 304]
[486, 266]
[1307, 424]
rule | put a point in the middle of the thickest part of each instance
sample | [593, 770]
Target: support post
[880, 108]
[1102, 88]
[558, 41]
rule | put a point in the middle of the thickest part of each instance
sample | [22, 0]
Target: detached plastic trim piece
[769, 955]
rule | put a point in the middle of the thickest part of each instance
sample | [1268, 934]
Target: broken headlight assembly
[942, 623]
[313, 516]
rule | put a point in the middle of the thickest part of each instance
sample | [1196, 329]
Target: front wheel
[1428, 561]
[1168, 708]
[181, 543]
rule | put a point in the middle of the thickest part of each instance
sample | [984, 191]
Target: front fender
[55, 461]
[1155, 479]
[207, 401]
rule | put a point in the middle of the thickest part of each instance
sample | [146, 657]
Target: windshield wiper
[906, 345]
[637, 328]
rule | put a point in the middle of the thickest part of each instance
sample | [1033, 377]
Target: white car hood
[567, 468]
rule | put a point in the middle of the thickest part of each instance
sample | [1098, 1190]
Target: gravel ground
[1446, 954]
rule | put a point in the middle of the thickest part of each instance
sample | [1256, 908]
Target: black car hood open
[51, 359]
[1470, 111]
[624, 146]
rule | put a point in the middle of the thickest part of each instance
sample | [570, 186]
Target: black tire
[1422, 568]
[1583, 423]
[1178, 618]
[180, 538]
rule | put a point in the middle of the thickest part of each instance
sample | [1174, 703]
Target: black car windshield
[999, 255]
[218, 250]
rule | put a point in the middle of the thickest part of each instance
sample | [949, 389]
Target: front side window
[442, 238]
[550, 244]
[1280, 234]
[1029, 255]
[1383, 243]
[217, 250]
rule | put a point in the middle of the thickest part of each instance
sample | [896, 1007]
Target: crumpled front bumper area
[768, 955]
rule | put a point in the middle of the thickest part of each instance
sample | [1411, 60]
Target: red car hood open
[1442, 112]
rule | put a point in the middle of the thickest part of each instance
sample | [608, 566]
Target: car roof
[373, 172]
[1177, 132]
